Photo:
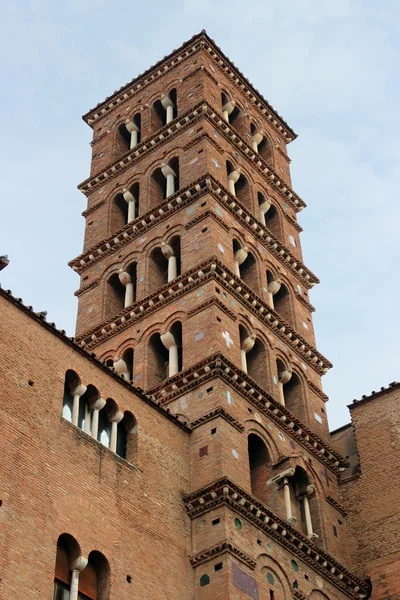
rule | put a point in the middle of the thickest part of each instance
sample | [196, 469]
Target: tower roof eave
[107, 104]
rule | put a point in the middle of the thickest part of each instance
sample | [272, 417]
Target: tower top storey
[186, 50]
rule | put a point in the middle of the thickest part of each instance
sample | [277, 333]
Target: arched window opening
[283, 304]
[172, 252]
[127, 437]
[94, 581]
[256, 137]
[284, 376]
[231, 113]
[257, 361]
[273, 222]
[265, 150]
[238, 185]
[128, 358]
[164, 182]
[68, 568]
[273, 287]
[293, 394]
[114, 296]
[157, 271]
[158, 361]
[129, 133]
[245, 265]
[72, 387]
[263, 207]
[125, 208]
[158, 186]
[260, 466]
[86, 403]
[106, 415]
[302, 496]
[164, 110]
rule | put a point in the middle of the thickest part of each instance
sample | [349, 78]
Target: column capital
[131, 126]
[229, 107]
[282, 475]
[248, 343]
[78, 564]
[285, 375]
[241, 255]
[128, 196]
[274, 286]
[234, 175]
[168, 340]
[167, 170]
[116, 417]
[98, 404]
[166, 101]
[121, 367]
[257, 137]
[124, 277]
[79, 390]
[167, 250]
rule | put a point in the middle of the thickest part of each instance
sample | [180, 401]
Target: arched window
[105, 422]
[283, 304]
[260, 466]
[245, 265]
[164, 264]
[128, 358]
[302, 495]
[273, 222]
[165, 354]
[72, 387]
[125, 208]
[164, 110]
[120, 291]
[263, 207]
[265, 150]
[238, 185]
[294, 395]
[70, 565]
[231, 113]
[127, 437]
[129, 133]
[94, 580]
[164, 182]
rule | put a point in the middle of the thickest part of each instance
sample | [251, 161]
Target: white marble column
[246, 346]
[284, 377]
[169, 107]
[169, 175]
[307, 514]
[273, 288]
[264, 208]
[131, 202]
[288, 502]
[121, 368]
[227, 109]
[115, 419]
[96, 408]
[172, 264]
[232, 180]
[126, 281]
[239, 257]
[76, 567]
[170, 344]
[76, 394]
[133, 129]
[255, 140]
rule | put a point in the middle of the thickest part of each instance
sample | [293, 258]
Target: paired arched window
[129, 133]
[120, 291]
[101, 419]
[125, 208]
[164, 264]
[165, 355]
[90, 576]
[164, 182]
[164, 110]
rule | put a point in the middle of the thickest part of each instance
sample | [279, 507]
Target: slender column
[115, 419]
[169, 107]
[232, 180]
[96, 407]
[172, 264]
[133, 129]
[126, 281]
[121, 368]
[76, 567]
[247, 345]
[131, 201]
[255, 140]
[76, 394]
[273, 288]
[88, 415]
[240, 257]
[169, 175]
[227, 109]
[284, 377]
[288, 503]
[264, 208]
[307, 514]
[170, 344]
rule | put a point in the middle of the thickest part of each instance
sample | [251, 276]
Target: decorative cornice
[202, 110]
[392, 386]
[318, 391]
[189, 48]
[86, 288]
[218, 412]
[214, 269]
[304, 301]
[60, 333]
[205, 185]
[336, 505]
[88, 211]
[207, 213]
[225, 492]
[218, 366]
[218, 550]
[293, 222]
[213, 302]
[3, 262]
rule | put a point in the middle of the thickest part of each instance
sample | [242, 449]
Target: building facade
[178, 447]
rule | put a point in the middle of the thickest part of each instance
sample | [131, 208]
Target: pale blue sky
[329, 67]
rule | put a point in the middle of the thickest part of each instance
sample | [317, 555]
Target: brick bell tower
[194, 289]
